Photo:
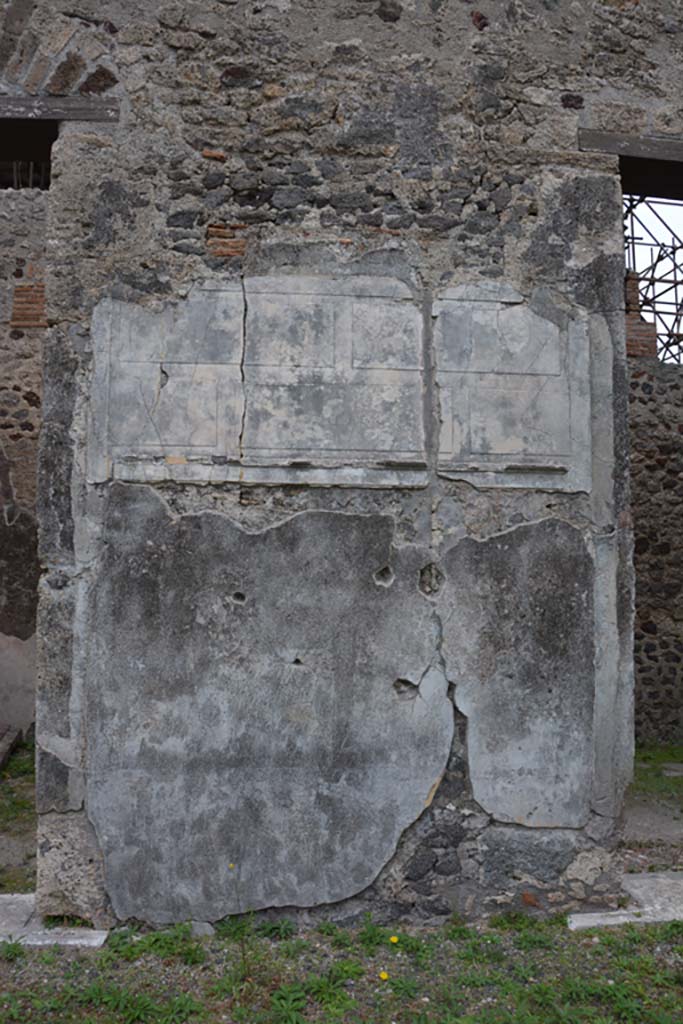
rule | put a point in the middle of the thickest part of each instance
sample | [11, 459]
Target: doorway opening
[653, 242]
[25, 154]
[25, 171]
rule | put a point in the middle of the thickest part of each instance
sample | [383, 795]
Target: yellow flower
[384, 976]
[393, 938]
[231, 866]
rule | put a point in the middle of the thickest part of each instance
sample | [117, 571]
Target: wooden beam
[59, 108]
[643, 147]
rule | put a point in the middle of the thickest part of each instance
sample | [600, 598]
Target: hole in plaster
[238, 597]
[297, 661]
[384, 577]
[163, 377]
[406, 689]
[431, 579]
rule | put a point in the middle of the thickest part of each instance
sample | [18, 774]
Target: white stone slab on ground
[15, 913]
[19, 922]
[657, 897]
[84, 938]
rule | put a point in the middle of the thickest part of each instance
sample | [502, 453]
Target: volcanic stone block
[512, 855]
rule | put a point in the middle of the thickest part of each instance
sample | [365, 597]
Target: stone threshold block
[658, 897]
[19, 922]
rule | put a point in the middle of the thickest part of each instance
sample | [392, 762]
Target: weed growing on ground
[287, 1003]
[11, 951]
[371, 936]
[66, 921]
[282, 929]
[18, 818]
[126, 944]
[293, 948]
[648, 777]
[514, 969]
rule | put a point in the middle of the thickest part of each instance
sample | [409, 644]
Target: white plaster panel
[515, 415]
[206, 328]
[324, 372]
[373, 418]
[386, 335]
[175, 406]
[303, 337]
[490, 338]
[514, 393]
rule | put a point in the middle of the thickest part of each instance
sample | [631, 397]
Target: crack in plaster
[243, 355]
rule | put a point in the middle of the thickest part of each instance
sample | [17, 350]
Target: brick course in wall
[641, 335]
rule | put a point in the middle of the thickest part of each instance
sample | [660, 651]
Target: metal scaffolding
[654, 250]
[24, 174]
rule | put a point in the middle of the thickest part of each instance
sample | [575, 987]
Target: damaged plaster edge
[394, 551]
[175, 517]
[514, 825]
[464, 707]
[200, 473]
[613, 747]
[341, 284]
[403, 831]
[586, 533]
[58, 747]
[479, 291]
[465, 477]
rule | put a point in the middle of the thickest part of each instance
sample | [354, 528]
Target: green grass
[282, 929]
[21, 763]
[514, 969]
[11, 951]
[66, 921]
[176, 942]
[16, 808]
[17, 800]
[18, 817]
[18, 879]
[648, 780]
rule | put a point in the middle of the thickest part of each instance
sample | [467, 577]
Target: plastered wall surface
[334, 512]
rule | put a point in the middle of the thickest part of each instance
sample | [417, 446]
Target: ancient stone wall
[333, 500]
[23, 222]
[656, 425]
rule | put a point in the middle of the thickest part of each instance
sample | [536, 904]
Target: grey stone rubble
[19, 922]
[658, 897]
